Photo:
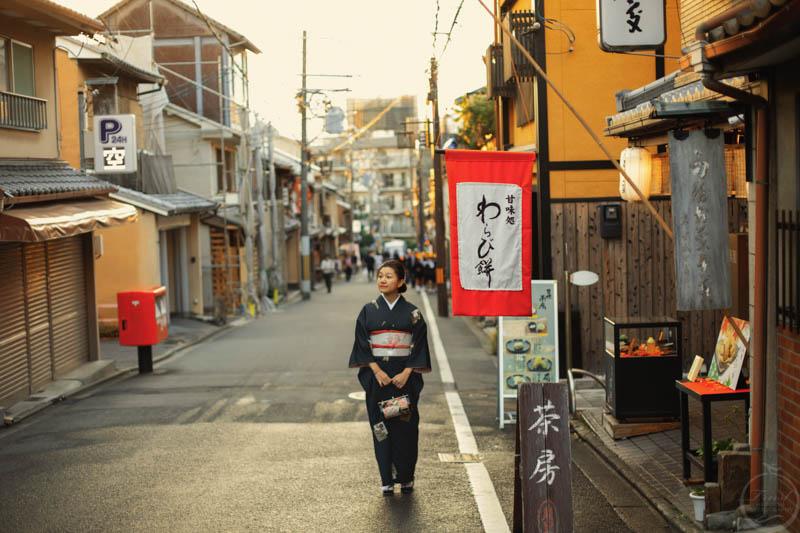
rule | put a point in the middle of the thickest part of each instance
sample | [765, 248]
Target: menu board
[528, 346]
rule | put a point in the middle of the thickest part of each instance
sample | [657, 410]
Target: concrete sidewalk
[115, 361]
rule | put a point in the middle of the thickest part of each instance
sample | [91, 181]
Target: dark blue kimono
[395, 339]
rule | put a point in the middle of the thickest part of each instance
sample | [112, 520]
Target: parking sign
[115, 144]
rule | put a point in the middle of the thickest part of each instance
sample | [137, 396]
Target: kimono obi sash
[390, 343]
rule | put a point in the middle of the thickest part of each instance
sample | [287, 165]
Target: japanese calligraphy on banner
[543, 495]
[631, 24]
[490, 226]
[700, 220]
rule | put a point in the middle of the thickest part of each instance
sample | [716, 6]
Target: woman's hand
[401, 379]
[382, 377]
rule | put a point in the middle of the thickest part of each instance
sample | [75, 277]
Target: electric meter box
[143, 317]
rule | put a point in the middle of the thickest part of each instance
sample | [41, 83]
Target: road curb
[670, 513]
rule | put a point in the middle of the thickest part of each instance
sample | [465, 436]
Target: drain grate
[459, 458]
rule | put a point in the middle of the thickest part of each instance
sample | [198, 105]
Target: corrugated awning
[42, 222]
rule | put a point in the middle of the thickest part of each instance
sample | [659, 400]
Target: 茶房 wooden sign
[543, 482]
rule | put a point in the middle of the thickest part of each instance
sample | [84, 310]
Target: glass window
[22, 64]
[4, 74]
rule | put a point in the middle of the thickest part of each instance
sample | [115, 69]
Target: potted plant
[717, 446]
[698, 497]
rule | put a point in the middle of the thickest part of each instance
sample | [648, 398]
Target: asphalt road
[256, 430]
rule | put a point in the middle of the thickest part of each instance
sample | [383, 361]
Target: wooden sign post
[543, 477]
[700, 220]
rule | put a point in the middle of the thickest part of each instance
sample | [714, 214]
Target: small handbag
[394, 407]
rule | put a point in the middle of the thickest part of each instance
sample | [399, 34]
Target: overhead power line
[450, 32]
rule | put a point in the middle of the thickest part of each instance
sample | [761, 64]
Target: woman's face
[388, 282]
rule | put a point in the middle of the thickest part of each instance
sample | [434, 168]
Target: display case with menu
[642, 361]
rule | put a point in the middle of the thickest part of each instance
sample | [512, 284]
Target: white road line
[492, 517]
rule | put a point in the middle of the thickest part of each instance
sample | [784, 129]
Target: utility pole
[305, 243]
[441, 259]
[352, 198]
[275, 278]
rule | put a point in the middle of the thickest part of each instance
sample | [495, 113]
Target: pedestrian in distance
[370, 261]
[348, 267]
[328, 268]
[419, 272]
[391, 353]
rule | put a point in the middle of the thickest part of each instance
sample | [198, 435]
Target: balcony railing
[495, 78]
[522, 26]
[788, 224]
[22, 112]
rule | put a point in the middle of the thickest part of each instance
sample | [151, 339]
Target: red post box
[142, 316]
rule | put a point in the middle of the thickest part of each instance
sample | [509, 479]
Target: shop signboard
[700, 220]
[528, 346]
[115, 144]
[631, 24]
[543, 491]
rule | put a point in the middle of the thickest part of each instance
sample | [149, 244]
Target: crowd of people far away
[420, 267]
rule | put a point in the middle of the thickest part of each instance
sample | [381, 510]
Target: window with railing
[19, 108]
[521, 24]
[496, 85]
[788, 269]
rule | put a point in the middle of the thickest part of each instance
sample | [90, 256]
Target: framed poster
[527, 350]
[729, 353]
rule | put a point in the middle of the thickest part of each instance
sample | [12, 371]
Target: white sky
[386, 46]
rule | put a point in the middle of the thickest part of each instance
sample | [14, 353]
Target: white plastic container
[699, 502]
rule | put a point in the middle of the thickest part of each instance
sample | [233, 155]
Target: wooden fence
[637, 273]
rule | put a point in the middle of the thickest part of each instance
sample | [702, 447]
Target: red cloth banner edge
[491, 167]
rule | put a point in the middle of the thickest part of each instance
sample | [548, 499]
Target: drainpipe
[759, 346]
[759, 340]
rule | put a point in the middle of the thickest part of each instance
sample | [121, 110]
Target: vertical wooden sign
[700, 220]
[543, 484]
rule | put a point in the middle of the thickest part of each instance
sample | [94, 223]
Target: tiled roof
[166, 204]
[46, 178]
[643, 117]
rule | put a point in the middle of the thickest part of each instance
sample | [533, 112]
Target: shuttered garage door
[14, 382]
[67, 278]
[43, 317]
[38, 319]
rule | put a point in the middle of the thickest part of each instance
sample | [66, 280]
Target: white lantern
[638, 164]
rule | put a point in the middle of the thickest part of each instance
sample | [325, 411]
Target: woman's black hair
[399, 270]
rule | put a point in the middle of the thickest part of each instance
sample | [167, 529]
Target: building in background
[203, 121]
[49, 211]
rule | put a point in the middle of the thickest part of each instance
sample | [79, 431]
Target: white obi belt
[390, 343]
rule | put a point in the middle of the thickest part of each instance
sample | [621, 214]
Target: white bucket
[699, 502]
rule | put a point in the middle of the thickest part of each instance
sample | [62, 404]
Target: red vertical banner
[490, 231]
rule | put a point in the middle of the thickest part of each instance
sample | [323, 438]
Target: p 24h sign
[115, 144]
[631, 24]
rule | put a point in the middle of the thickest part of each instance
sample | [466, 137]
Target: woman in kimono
[391, 353]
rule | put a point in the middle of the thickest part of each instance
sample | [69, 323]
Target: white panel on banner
[489, 236]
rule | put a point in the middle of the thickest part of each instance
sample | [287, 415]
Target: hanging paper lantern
[637, 163]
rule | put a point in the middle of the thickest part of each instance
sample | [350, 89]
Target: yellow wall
[34, 144]
[588, 77]
[69, 80]
[130, 259]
